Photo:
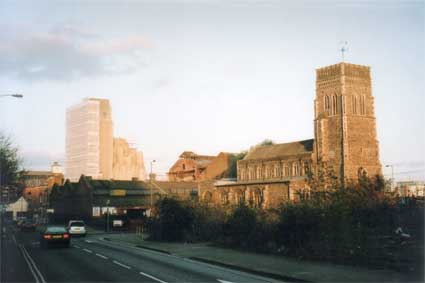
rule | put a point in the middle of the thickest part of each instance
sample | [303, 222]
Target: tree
[173, 220]
[10, 173]
[10, 163]
[234, 163]
[266, 142]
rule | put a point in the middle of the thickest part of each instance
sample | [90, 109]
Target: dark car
[28, 226]
[55, 235]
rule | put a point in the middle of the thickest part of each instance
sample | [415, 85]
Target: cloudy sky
[208, 75]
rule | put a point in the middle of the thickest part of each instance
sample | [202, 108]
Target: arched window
[287, 171]
[296, 169]
[259, 173]
[306, 168]
[327, 104]
[251, 173]
[334, 105]
[354, 101]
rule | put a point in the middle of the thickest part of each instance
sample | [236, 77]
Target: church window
[306, 168]
[224, 198]
[362, 105]
[296, 169]
[354, 100]
[327, 105]
[287, 171]
[334, 105]
[251, 173]
[259, 173]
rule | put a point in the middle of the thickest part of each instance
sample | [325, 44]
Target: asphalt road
[91, 259]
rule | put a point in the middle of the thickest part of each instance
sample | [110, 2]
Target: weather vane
[344, 48]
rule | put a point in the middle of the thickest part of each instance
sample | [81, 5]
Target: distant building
[37, 186]
[91, 149]
[193, 167]
[410, 189]
[344, 140]
[17, 209]
[127, 162]
[56, 168]
[89, 142]
[89, 198]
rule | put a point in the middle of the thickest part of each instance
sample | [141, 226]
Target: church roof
[280, 150]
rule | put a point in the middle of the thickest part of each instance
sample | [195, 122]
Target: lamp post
[392, 175]
[107, 215]
[150, 179]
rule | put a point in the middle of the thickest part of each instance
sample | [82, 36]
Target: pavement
[278, 267]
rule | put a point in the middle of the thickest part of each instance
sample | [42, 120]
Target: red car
[55, 235]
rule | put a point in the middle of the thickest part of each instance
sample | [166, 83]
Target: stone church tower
[344, 124]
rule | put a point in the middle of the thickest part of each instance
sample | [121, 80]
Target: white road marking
[120, 264]
[88, 241]
[42, 280]
[151, 277]
[78, 247]
[102, 256]
[29, 265]
[14, 240]
[89, 251]
[223, 281]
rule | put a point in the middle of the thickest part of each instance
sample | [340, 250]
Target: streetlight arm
[16, 95]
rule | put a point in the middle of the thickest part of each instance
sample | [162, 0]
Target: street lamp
[107, 215]
[150, 179]
[392, 174]
[16, 95]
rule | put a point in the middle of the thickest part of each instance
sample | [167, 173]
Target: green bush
[173, 220]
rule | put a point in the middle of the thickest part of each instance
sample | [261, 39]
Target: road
[92, 259]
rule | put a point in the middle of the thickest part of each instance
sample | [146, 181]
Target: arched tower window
[334, 105]
[327, 104]
[354, 100]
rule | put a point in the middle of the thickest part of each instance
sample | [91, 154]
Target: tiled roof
[280, 150]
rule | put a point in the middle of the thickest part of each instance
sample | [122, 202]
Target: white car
[77, 227]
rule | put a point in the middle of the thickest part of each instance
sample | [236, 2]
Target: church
[345, 140]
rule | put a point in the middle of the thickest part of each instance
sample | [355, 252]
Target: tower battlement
[337, 70]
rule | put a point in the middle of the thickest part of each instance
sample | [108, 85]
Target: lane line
[29, 264]
[87, 250]
[152, 277]
[102, 256]
[120, 264]
[14, 239]
[34, 265]
[78, 247]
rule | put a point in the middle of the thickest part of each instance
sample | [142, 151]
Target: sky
[208, 75]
